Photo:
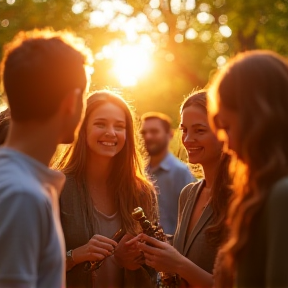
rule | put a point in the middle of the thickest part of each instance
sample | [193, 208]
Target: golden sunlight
[131, 62]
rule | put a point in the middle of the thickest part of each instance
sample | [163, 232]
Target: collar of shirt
[165, 164]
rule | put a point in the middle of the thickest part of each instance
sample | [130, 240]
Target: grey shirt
[31, 240]
[109, 274]
[171, 177]
[194, 246]
[78, 230]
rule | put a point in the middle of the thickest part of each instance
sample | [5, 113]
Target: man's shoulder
[180, 168]
[11, 161]
[15, 179]
[176, 162]
[10, 168]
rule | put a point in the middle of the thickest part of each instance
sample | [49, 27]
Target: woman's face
[106, 130]
[227, 120]
[200, 142]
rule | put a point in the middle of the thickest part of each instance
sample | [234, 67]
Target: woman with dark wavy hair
[251, 97]
[202, 205]
[105, 182]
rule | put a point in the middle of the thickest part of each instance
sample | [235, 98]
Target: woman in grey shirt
[105, 182]
[202, 205]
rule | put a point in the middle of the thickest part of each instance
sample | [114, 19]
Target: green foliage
[255, 24]
[259, 25]
[28, 14]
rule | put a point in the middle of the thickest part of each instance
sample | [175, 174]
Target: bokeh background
[155, 52]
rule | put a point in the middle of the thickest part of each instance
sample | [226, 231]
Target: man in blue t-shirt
[170, 174]
[44, 78]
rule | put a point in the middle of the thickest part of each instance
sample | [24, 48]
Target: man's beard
[156, 149]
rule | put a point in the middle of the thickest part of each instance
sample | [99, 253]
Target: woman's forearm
[193, 274]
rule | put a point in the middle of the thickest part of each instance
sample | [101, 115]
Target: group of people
[66, 217]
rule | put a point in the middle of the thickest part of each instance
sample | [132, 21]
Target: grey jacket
[77, 232]
[196, 247]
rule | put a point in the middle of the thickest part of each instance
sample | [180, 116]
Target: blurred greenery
[190, 39]
[254, 23]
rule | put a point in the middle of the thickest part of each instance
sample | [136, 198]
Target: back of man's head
[163, 118]
[38, 69]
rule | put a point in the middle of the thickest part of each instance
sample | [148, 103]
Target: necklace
[207, 192]
[207, 203]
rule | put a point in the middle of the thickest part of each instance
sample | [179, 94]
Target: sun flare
[130, 63]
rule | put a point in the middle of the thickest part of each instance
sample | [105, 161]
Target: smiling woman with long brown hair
[105, 182]
[202, 205]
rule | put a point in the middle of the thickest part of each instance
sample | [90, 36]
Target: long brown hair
[127, 178]
[220, 191]
[255, 86]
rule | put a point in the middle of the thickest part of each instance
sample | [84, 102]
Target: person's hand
[128, 256]
[165, 258]
[159, 255]
[97, 248]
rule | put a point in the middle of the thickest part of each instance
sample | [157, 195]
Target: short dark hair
[39, 68]
[164, 119]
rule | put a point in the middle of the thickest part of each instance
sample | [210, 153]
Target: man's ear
[171, 133]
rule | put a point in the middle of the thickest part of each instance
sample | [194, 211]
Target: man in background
[170, 173]
[44, 78]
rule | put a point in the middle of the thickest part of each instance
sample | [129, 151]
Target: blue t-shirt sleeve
[20, 232]
[277, 244]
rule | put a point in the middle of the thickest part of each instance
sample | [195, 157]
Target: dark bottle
[164, 279]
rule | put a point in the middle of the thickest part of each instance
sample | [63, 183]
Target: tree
[188, 39]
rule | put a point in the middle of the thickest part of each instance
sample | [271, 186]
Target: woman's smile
[104, 143]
